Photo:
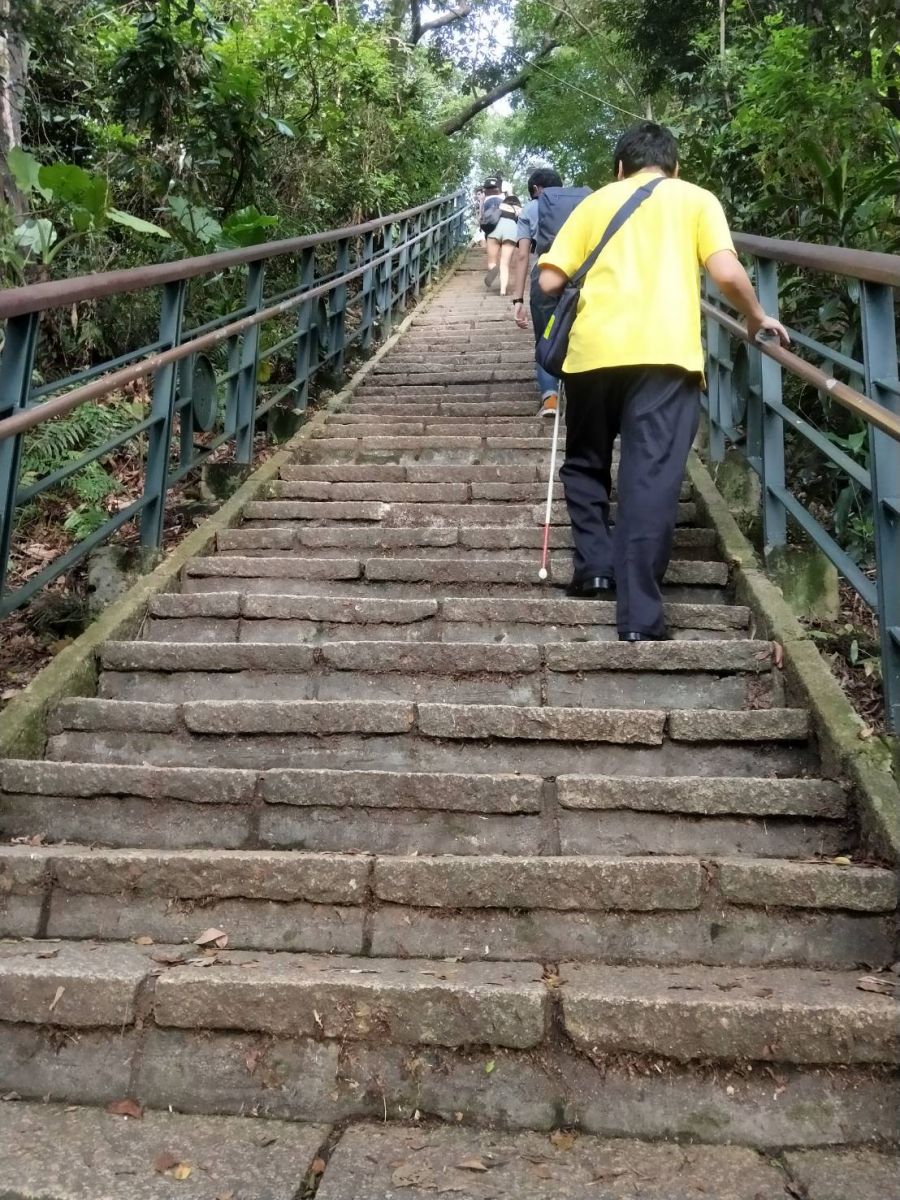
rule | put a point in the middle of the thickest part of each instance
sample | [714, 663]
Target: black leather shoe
[645, 637]
[590, 586]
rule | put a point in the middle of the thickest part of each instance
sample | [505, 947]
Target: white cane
[545, 551]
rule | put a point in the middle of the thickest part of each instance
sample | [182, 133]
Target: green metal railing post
[249, 369]
[773, 477]
[403, 268]
[367, 293]
[880, 361]
[337, 340]
[162, 412]
[415, 259]
[716, 339]
[386, 284]
[303, 358]
[16, 366]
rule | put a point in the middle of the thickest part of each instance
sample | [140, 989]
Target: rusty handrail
[867, 265]
[861, 406]
[36, 297]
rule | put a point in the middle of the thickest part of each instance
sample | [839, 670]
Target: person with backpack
[633, 364]
[504, 233]
[488, 217]
[539, 222]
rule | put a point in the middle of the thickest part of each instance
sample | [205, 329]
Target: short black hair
[646, 144]
[543, 177]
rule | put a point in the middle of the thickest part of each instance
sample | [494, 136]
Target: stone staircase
[452, 851]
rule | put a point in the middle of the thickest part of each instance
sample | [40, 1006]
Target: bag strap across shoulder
[631, 205]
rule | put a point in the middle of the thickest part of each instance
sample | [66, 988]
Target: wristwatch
[521, 300]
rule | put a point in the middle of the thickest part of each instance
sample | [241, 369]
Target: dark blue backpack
[490, 213]
[555, 206]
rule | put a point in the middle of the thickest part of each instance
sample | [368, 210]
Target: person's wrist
[521, 300]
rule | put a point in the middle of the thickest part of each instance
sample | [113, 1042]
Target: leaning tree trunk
[13, 68]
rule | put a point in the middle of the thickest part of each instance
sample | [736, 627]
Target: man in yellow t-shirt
[634, 368]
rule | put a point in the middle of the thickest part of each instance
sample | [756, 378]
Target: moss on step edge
[866, 762]
[23, 723]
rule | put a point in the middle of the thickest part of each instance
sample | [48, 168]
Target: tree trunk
[455, 124]
[13, 68]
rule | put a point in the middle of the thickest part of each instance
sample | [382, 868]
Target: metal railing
[333, 292]
[746, 407]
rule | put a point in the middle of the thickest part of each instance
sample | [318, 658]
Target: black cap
[493, 181]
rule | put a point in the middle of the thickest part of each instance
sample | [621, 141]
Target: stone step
[404, 812]
[659, 909]
[415, 513]
[453, 429]
[688, 674]
[459, 409]
[373, 1161]
[403, 736]
[443, 540]
[460, 570]
[436, 449]
[546, 611]
[677, 1013]
[370, 472]
[720, 1014]
[422, 493]
[61, 1152]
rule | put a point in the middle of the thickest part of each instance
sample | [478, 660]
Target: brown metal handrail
[867, 265]
[861, 406]
[36, 297]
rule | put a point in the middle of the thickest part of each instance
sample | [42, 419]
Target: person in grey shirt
[542, 306]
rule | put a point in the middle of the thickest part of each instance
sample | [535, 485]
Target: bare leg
[506, 253]
[493, 260]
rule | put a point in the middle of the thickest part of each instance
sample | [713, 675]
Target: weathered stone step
[229, 616]
[782, 1015]
[58, 1152]
[433, 737]
[404, 812]
[685, 674]
[414, 513]
[427, 493]
[453, 429]
[341, 540]
[414, 473]
[436, 449]
[462, 569]
[364, 408]
[503, 908]
[371, 1161]
[723, 1014]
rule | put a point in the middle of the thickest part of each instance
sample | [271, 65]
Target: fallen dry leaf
[562, 1139]
[181, 1172]
[473, 1164]
[168, 960]
[865, 733]
[164, 1162]
[880, 984]
[48, 954]
[125, 1108]
[60, 991]
[143, 941]
[318, 1166]
[413, 1175]
[212, 937]
[778, 655]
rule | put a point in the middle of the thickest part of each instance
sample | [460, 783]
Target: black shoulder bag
[553, 346]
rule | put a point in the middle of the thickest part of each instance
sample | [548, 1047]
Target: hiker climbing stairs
[366, 825]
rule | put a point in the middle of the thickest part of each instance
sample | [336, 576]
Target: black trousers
[655, 411]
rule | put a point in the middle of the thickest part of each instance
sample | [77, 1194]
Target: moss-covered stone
[808, 581]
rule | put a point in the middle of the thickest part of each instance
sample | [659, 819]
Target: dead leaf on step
[841, 861]
[168, 1164]
[168, 960]
[143, 941]
[562, 1139]
[224, 1196]
[778, 655]
[880, 984]
[318, 1166]
[212, 937]
[60, 991]
[10, 1097]
[125, 1108]
[473, 1164]
[865, 733]
[48, 954]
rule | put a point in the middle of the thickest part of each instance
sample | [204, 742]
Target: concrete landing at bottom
[388, 1163]
[48, 1152]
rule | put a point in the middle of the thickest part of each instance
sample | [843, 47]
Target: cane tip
[542, 573]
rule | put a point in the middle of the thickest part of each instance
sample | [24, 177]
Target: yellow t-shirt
[640, 303]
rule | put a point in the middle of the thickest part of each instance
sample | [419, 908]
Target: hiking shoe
[549, 405]
[491, 277]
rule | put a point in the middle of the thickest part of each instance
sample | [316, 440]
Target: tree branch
[420, 27]
[512, 84]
